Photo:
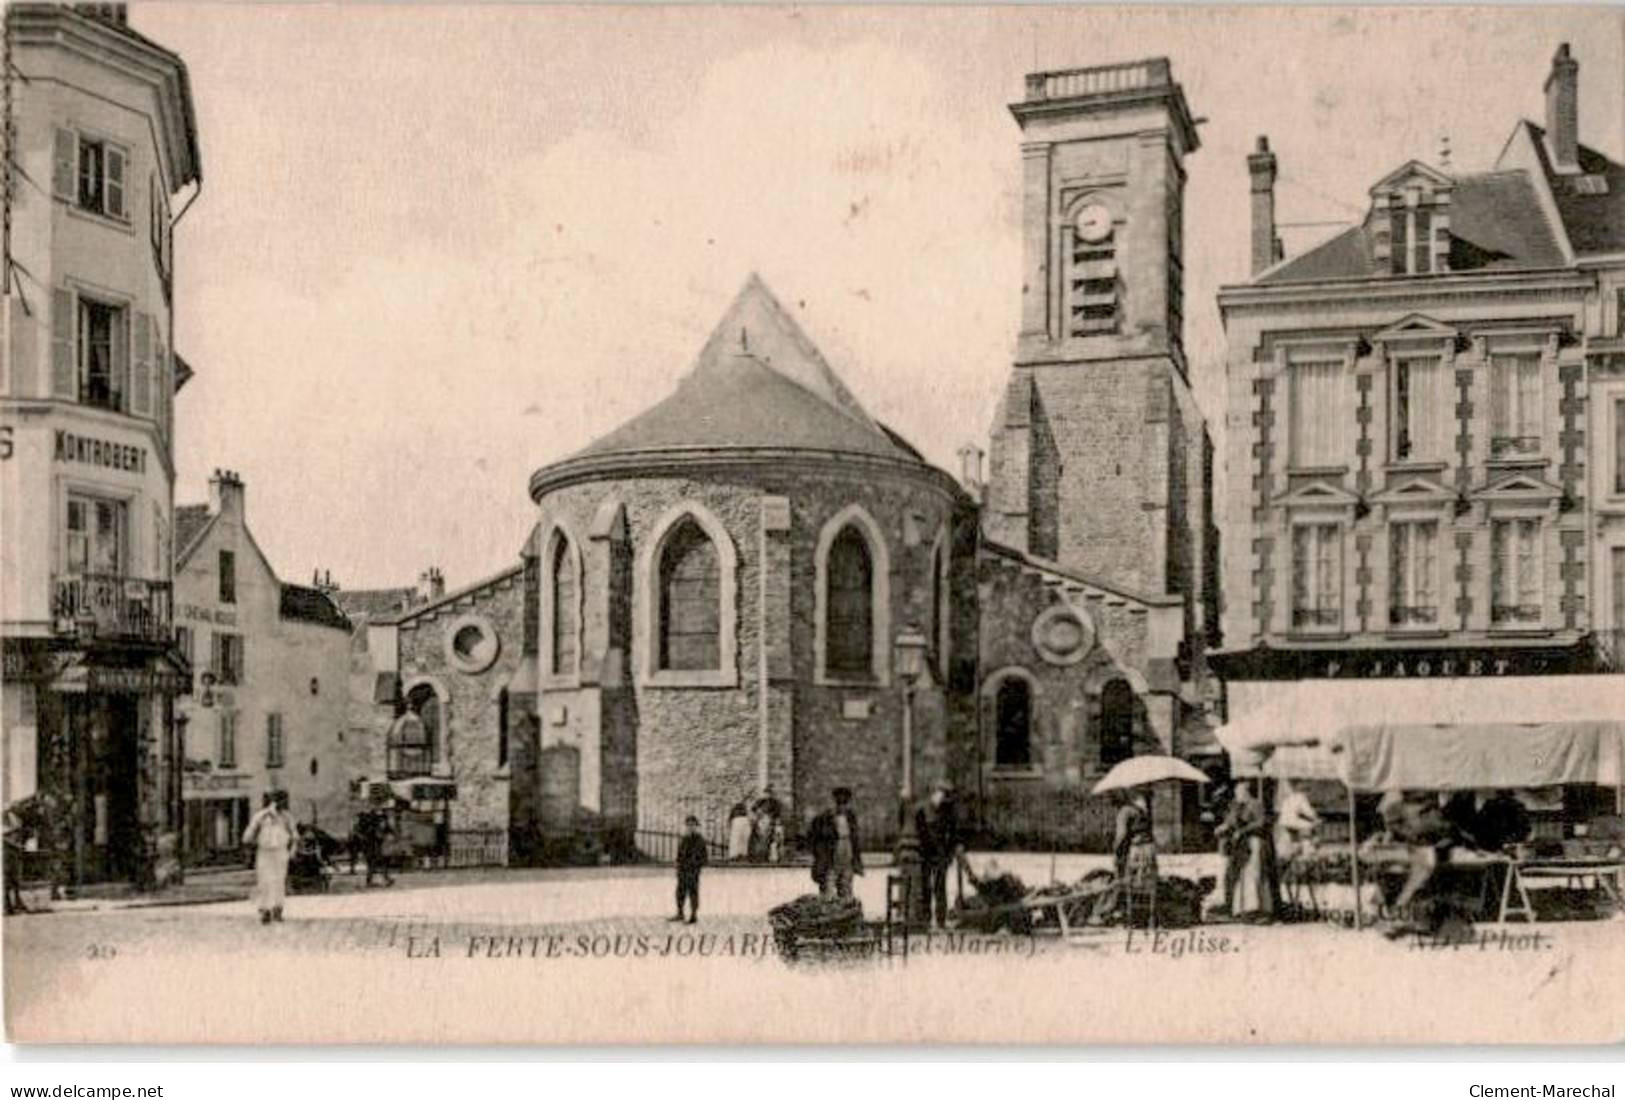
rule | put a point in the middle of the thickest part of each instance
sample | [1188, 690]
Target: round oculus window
[471, 644]
[1063, 635]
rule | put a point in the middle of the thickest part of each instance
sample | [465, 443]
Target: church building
[754, 586]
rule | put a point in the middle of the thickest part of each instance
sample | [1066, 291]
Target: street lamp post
[910, 665]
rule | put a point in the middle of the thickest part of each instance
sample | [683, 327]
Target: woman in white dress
[738, 832]
[272, 834]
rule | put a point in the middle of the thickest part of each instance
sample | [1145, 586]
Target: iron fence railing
[111, 605]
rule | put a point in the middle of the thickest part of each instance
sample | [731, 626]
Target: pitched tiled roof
[758, 383]
[374, 603]
[1496, 223]
[311, 605]
[1591, 202]
[190, 520]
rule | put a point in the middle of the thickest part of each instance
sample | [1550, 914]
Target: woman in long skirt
[1135, 857]
[1255, 881]
[272, 834]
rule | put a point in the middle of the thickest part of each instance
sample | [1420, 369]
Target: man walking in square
[836, 853]
[937, 825]
[691, 860]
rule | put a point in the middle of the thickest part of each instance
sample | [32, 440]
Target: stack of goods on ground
[813, 920]
[995, 906]
[1002, 902]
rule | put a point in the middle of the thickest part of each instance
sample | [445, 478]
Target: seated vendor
[1501, 822]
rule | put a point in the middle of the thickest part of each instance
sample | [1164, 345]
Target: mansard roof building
[1424, 423]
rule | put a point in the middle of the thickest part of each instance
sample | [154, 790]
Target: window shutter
[1424, 242]
[141, 371]
[1500, 398]
[64, 172]
[1529, 397]
[1396, 234]
[166, 385]
[64, 380]
[113, 186]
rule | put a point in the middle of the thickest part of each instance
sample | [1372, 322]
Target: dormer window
[1410, 225]
[1410, 222]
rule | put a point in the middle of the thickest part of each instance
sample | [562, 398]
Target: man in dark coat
[372, 832]
[937, 825]
[1501, 821]
[691, 860]
[833, 839]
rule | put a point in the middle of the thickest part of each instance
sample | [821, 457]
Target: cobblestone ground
[589, 955]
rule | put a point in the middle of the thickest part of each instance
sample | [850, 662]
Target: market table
[1604, 871]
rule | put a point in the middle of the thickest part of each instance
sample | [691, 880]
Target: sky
[437, 247]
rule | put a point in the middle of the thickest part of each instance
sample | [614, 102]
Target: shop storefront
[91, 745]
[1543, 721]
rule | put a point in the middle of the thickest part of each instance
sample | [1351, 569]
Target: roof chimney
[1266, 248]
[1563, 111]
[226, 494]
[431, 585]
[970, 469]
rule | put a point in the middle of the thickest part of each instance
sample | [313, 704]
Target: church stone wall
[699, 749]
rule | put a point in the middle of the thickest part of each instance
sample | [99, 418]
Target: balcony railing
[1099, 80]
[1316, 616]
[104, 605]
[1505, 613]
[1413, 616]
[1503, 445]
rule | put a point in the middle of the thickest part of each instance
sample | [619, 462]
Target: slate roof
[373, 603]
[190, 520]
[759, 382]
[1496, 224]
[1591, 203]
[311, 605]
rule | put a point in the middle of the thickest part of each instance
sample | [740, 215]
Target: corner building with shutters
[101, 142]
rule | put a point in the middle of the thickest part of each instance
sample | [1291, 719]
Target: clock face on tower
[1094, 223]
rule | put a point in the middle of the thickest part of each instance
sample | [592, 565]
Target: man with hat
[833, 838]
[936, 823]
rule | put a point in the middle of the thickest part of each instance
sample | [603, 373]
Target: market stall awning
[1438, 734]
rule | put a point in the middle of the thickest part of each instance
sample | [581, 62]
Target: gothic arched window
[1013, 724]
[1116, 722]
[690, 610]
[564, 608]
[849, 635]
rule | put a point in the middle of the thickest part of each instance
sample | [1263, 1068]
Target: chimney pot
[1261, 170]
[225, 493]
[1563, 111]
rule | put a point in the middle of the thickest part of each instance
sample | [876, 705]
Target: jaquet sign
[1400, 664]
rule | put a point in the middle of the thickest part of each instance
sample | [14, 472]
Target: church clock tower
[1097, 446]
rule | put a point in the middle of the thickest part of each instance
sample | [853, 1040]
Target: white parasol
[1137, 771]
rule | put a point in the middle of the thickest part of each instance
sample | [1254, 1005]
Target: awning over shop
[156, 676]
[1438, 734]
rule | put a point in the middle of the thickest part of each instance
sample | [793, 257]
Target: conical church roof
[758, 383]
